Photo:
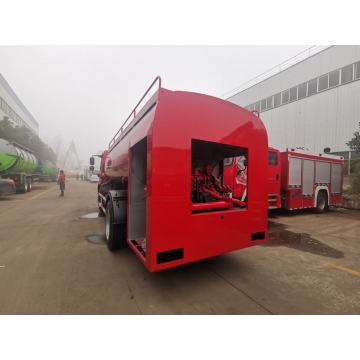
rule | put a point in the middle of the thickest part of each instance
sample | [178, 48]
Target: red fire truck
[162, 184]
[297, 179]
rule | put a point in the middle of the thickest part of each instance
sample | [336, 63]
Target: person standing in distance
[61, 182]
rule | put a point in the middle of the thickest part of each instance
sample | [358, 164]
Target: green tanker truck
[21, 165]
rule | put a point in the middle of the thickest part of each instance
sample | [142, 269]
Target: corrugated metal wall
[11, 99]
[327, 119]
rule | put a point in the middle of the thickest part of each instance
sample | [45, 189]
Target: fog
[84, 93]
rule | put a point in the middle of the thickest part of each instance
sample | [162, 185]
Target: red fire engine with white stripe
[297, 179]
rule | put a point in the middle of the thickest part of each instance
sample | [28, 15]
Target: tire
[24, 187]
[114, 233]
[322, 202]
[29, 184]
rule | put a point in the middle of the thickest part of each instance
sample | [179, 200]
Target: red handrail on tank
[133, 112]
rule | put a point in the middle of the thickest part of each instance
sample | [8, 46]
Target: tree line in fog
[25, 137]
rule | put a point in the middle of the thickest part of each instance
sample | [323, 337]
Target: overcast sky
[85, 93]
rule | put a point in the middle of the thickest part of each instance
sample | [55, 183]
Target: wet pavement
[96, 239]
[280, 236]
[54, 261]
[92, 215]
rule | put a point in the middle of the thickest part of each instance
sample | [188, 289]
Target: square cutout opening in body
[218, 176]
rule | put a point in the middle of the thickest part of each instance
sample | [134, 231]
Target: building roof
[301, 57]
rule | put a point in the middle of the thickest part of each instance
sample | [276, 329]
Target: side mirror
[91, 167]
[92, 161]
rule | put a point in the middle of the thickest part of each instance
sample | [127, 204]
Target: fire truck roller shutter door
[322, 172]
[294, 172]
[308, 177]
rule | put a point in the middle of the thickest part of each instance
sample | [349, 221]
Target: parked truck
[162, 188]
[20, 165]
[297, 179]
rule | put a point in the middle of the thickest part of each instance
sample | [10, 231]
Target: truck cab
[274, 178]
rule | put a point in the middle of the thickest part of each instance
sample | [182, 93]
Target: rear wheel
[24, 186]
[322, 202]
[21, 184]
[29, 184]
[114, 233]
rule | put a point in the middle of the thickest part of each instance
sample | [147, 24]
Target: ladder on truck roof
[133, 114]
[306, 151]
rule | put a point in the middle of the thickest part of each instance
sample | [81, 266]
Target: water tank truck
[161, 185]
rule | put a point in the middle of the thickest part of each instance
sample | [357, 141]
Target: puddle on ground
[96, 239]
[279, 236]
[93, 215]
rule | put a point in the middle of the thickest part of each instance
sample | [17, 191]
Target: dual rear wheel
[29, 184]
[115, 234]
[26, 185]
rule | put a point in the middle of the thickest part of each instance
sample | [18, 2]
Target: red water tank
[169, 222]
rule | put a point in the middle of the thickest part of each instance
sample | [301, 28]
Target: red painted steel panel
[170, 126]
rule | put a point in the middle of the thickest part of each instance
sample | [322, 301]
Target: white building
[11, 107]
[314, 103]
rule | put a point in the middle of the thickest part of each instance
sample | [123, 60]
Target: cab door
[274, 169]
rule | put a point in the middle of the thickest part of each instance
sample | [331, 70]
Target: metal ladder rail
[133, 112]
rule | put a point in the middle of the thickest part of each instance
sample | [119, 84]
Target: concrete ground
[311, 265]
